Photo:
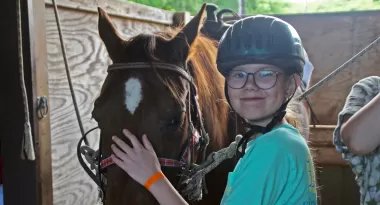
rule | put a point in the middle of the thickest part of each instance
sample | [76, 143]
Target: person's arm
[166, 194]
[360, 130]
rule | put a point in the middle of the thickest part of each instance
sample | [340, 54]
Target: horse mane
[209, 82]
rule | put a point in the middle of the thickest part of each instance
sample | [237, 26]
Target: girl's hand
[140, 162]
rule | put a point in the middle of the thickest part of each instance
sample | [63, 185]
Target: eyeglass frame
[254, 81]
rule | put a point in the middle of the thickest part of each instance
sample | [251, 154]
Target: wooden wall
[88, 60]
[330, 40]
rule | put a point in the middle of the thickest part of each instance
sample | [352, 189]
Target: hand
[140, 162]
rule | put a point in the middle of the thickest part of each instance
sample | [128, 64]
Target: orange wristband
[155, 177]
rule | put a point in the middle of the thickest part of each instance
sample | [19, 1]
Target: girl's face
[256, 91]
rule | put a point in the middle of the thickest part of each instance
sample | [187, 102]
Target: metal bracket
[42, 107]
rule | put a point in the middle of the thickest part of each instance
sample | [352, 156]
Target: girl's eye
[239, 75]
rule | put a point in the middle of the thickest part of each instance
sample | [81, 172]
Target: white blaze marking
[133, 94]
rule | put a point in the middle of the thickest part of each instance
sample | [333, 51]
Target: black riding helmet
[261, 39]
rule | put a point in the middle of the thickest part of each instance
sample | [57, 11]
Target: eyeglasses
[264, 79]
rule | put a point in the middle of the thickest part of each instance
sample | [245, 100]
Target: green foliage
[193, 6]
[267, 6]
[347, 5]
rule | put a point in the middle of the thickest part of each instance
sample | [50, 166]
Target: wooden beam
[322, 135]
[40, 88]
[321, 144]
[122, 9]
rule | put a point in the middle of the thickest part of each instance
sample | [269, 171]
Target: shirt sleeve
[361, 93]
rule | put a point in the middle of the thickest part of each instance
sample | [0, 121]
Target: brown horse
[154, 101]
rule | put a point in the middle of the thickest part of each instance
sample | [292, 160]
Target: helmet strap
[254, 129]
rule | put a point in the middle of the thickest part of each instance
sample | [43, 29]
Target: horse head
[165, 85]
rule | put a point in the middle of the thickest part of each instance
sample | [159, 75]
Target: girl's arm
[141, 163]
[165, 193]
[360, 130]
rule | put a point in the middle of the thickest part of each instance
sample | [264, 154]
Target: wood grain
[88, 60]
[124, 9]
[328, 40]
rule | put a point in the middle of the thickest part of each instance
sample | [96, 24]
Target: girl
[262, 60]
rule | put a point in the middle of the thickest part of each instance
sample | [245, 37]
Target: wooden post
[24, 181]
[40, 89]
[180, 18]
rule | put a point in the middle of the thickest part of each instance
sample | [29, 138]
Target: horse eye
[172, 122]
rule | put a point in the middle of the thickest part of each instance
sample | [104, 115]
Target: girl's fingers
[147, 143]
[118, 162]
[136, 144]
[124, 146]
[118, 152]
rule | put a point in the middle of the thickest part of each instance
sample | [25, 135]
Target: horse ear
[186, 37]
[110, 36]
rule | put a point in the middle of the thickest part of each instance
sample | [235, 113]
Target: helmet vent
[270, 40]
[237, 45]
[248, 44]
[259, 43]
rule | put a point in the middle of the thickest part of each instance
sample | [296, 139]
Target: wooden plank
[328, 41]
[39, 75]
[366, 30]
[320, 141]
[88, 61]
[321, 135]
[123, 9]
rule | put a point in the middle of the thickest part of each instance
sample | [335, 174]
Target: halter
[195, 140]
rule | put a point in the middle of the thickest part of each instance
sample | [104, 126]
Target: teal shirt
[275, 170]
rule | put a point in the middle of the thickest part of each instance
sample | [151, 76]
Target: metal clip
[42, 107]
